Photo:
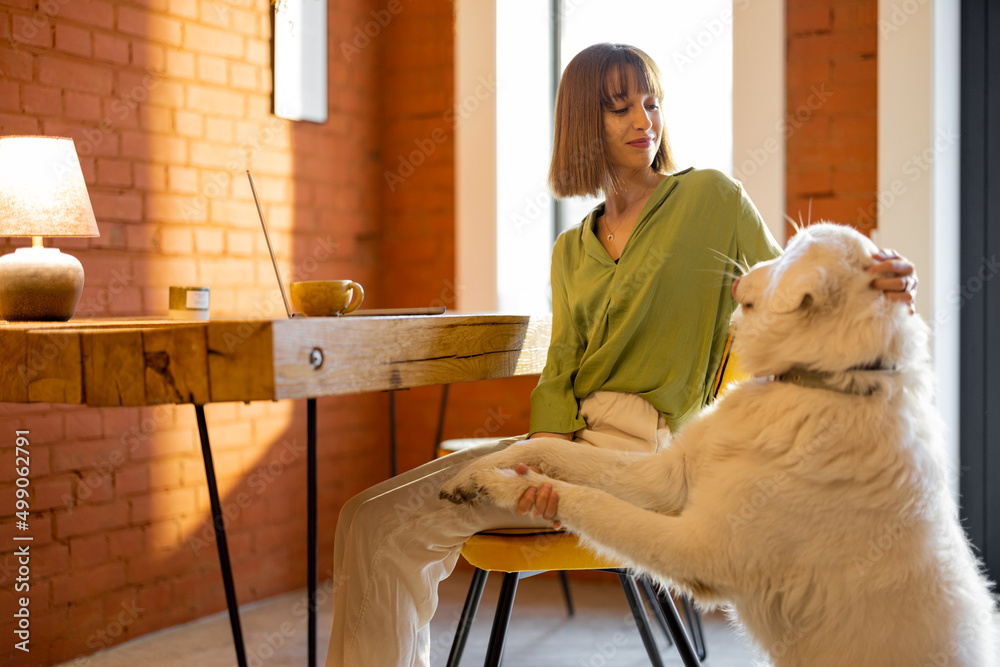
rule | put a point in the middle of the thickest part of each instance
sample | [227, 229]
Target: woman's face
[632, 129]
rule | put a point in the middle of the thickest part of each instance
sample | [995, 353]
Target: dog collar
[804, 377]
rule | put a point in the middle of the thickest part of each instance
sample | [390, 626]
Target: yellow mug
[327, 298]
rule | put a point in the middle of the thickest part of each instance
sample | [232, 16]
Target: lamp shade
[42, 191]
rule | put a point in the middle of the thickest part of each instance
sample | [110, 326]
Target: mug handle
[356, 299]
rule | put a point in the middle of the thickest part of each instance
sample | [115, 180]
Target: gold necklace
[612, 232]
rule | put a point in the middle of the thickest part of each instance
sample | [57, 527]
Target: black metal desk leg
[311, 519]
[392, 433]
[220, 538]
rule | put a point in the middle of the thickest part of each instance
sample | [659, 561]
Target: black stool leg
[564, 579]
[641, 620]
[468, 616]
[220, 538]
[676, 628]
[313, 558]
[498, 636]
[654, 602]
[697, 631]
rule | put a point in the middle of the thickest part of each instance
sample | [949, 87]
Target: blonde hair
[580, 163]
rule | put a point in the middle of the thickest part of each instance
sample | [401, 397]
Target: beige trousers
[397, 540]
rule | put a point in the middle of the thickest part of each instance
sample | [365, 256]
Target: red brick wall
[832, 111]
[168, 101]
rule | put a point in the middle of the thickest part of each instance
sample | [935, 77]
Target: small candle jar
[188, 303]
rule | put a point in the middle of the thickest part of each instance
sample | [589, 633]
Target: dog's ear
[798, 289]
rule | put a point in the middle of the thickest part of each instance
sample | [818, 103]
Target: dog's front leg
[656, 481]
[551, 456]
[669, 546]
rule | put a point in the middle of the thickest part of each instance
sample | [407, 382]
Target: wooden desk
[136, 362]
[149, 361]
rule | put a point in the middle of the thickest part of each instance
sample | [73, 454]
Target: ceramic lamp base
[39, 284]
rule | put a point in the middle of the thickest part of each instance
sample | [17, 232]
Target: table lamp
[42, 193]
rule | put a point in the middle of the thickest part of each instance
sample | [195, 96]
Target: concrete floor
[602, 633]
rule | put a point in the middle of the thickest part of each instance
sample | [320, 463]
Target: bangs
[627, 72]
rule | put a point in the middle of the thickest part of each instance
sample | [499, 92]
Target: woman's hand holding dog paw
[896, 276]
[539, 501]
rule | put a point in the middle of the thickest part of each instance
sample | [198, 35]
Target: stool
[523, 552]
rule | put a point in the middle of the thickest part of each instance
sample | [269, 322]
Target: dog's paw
[465, 487]
[501, 486]
[505, 486]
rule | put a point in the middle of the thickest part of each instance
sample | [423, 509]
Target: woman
[641, 305]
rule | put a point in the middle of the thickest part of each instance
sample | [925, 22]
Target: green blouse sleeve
[554, 407]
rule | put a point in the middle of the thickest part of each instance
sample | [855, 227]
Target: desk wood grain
[149, 361]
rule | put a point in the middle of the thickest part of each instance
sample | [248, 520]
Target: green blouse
[655, 322]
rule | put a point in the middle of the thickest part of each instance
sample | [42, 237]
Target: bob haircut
[580, 163]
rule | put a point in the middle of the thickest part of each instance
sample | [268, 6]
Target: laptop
[372, 312]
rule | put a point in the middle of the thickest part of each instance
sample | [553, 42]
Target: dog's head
[814, 308]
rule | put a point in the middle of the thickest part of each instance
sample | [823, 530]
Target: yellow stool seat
[531, 550]
[523, 552]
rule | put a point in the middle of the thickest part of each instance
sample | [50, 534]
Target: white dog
[812, 499]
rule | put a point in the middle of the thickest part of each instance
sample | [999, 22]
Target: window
[524, 103]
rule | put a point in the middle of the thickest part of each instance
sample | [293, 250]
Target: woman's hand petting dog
[896, 276]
